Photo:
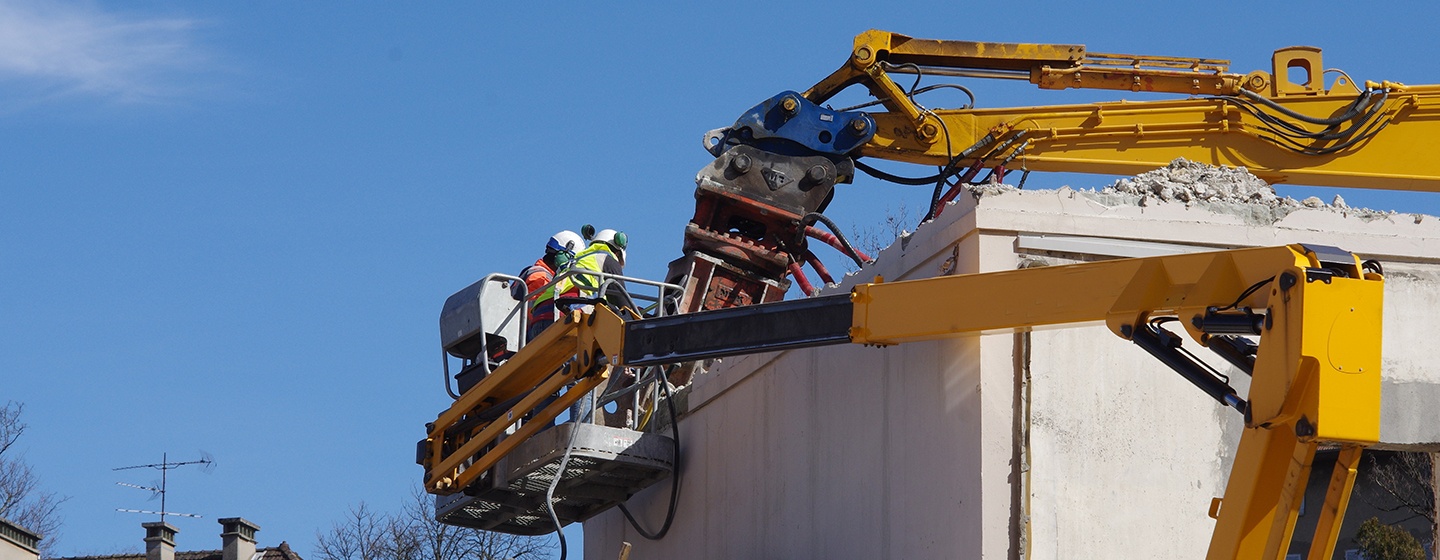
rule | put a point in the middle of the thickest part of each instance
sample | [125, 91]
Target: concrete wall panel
[1123, 450]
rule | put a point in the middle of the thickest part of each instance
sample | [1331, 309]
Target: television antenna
[206, 462]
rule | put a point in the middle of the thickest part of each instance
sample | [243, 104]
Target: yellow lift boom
[1316, 370]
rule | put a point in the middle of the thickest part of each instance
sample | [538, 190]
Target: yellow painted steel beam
[1266, 485]
[1316, 378]
[1120, 292]
[1332, 513]
[1049, 66]
[903, 49]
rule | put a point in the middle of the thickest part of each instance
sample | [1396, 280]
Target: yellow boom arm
[1315, 373]
[1316, 378]
[1381, 135]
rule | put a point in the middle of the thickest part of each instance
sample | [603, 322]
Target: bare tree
[412, 533]
[1404, 483]
[363, 535]
[872, 238]
[22, 500]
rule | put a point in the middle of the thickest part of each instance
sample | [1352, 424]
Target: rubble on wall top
[1186, 181]
[1218, 188]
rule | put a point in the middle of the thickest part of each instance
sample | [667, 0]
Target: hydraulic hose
[674, 476]
[555, 482]
[1360, 101]
[816, 216]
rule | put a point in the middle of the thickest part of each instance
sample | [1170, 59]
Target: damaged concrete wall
[1061, 443]
[845, 452]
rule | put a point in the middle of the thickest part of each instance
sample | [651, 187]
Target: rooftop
[281, 552]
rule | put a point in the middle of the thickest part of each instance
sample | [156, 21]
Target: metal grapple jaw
[778, 163]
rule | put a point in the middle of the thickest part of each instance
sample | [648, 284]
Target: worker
[560, 251]
[605, 255]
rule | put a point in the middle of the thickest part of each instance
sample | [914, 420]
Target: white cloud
[55, 48]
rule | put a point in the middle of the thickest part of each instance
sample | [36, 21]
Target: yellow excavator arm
[1370, 135]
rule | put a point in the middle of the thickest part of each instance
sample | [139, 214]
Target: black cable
[934, 199]
[908, 181]
[883, 176]
[919, 75]
[1369, 133]
[948, 170]
[1291, 141]
[555, 482]
[1363, 102]
[942, 180]
[952, 168]
[1359, 100]
[929, 88]
[607, 398]
[674, 477]
[1247, 292]
[1365, 110]
[1291, 130]
[952, 163]
[965, 90]
[816, 216]
[990, 176]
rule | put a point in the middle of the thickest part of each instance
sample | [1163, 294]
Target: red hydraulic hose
[830, 240]
[819, 267]
[800, 279]
[959, 185]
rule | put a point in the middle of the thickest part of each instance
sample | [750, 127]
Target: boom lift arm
[1315, 367]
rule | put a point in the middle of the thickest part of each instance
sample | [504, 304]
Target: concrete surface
[1055, 444]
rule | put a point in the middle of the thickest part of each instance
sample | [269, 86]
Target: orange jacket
[536, 276]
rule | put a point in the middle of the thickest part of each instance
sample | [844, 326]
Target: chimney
[238, 536]
[159, 540]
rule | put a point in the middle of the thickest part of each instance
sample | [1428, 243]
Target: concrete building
[1054, 444]
[17, 543]
[237, 542]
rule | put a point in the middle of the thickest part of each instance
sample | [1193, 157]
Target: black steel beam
[800, 323]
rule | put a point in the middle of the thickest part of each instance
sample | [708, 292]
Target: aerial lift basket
[606, 466]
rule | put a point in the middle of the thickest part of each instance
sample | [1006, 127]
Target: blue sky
[231, 226]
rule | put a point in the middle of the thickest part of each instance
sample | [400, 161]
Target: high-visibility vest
[592, 258]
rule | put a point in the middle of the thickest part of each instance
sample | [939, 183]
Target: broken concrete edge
[1220, 189]
[1193, 192]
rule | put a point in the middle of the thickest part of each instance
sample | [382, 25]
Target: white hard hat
[615, 239]
[566, 241]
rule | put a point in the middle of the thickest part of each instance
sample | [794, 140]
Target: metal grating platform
[607, 466]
